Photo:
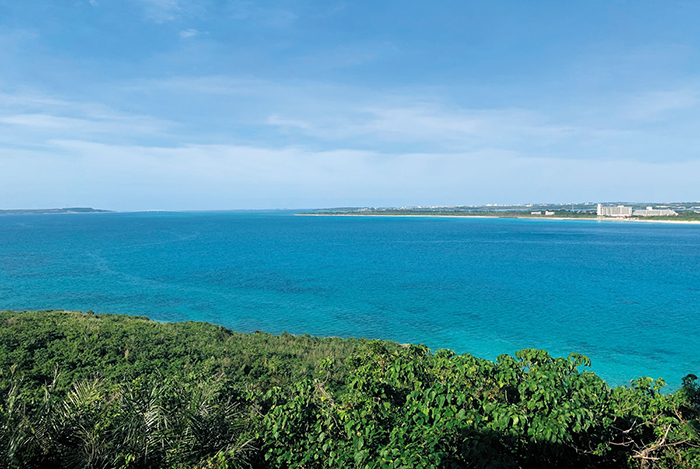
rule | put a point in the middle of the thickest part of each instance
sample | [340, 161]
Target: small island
[43, 211]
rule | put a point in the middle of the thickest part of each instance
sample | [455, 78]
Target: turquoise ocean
[625, 294]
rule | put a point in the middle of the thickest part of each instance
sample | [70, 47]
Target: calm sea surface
[625, 294]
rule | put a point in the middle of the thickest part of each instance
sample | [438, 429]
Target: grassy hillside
[102, 391]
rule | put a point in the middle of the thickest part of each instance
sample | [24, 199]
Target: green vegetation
[106, 391]
[682, 216]
[462, 213]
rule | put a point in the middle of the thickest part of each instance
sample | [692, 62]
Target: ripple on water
[625, 294]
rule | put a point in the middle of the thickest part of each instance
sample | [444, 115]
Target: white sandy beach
[633, 220]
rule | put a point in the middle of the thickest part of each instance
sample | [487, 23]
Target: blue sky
[224, 104]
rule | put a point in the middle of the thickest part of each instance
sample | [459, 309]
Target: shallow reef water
[625, 294]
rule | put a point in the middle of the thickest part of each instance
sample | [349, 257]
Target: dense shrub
[103, 391]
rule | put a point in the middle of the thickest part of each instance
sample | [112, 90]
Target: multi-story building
[651, 212]
[619, 211]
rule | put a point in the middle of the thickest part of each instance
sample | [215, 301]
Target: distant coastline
[440, 215]
[46, 211]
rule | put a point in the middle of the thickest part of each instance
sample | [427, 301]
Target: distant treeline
[682, 216]
[40, 211]
[107, 391]
[466, 213]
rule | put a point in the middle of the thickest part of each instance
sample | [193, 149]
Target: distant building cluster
[651, 212]
[624, 211]
[618, 211]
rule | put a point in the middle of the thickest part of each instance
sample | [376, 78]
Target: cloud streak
[188, 33]
[313, 148]
[153, 177]
[327, 116]
[30, 120]
[161, 11]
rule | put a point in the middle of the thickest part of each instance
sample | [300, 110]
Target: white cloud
[276, 120]
[658, 104]
[350, 55]
[436, 125]
[115, 124]
[310, 145]
[232, 176]
[42, 121]
[30, 120]
[276, 17]
[209, 85]
[266, 16]
[188, 33]
[331, 113]
[94, 3]
[326, 116]
[161, 11]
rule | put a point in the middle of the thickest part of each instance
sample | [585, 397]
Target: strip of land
[467, 215]
[44, 211]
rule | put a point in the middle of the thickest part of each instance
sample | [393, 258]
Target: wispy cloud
[188, 33]
[351, 55]
[275, 16]
[34, 119]
[326, 116]
[254, 177]
[13, 38]
[269, 14]
[436, 125]
[161, 11]
[121, 125]
[399, 149]
[205, 85]
[418, 103]
[658, 104]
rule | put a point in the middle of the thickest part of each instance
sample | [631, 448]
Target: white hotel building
[619, 211]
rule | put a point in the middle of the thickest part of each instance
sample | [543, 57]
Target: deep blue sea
[625, 294]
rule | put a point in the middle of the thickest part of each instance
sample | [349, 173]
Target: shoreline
[682, 222]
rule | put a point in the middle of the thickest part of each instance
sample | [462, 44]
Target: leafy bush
[102, 391]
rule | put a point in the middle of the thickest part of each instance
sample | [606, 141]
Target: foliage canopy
[103, 391]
